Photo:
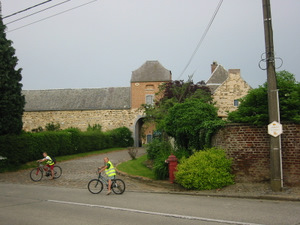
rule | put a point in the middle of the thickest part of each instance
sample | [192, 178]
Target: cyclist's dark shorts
[112, 177]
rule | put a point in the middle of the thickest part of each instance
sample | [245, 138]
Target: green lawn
[136, 167]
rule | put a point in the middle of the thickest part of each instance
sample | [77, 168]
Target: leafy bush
[52, 127]
[156, 146]
[205, 170]
[158, 151]
[95, 127]
[121, 137]
[160, 167]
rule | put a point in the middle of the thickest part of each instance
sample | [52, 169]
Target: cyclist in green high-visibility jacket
[50, 163]
[110, 172]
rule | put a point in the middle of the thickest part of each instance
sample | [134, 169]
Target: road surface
[35, 204]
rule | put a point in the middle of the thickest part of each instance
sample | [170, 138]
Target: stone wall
[108, 119]
[249, 147]
[232, 89]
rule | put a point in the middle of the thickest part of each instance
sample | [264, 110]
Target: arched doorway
[143, 132]
[138, 132]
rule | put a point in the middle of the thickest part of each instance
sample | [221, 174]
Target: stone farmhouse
[120, 106]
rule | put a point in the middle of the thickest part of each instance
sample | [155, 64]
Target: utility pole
[273, 101]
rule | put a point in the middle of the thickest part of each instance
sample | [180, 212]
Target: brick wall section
[139, 90]
[249, 147]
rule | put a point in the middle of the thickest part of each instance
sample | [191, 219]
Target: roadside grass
[59, 159]
[136, 167]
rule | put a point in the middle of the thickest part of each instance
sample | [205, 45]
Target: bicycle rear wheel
[95, 186]
[57, 172]
[36, 174]
[118, 186]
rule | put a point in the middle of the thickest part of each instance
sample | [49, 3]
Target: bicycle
[37, 173]
[95, 186]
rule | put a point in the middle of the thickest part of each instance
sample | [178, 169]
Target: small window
[149, 99]
[236, 103]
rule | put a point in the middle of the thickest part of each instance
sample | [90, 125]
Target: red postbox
[172, 160]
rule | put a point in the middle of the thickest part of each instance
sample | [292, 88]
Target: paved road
[67, 201]
[35, 204]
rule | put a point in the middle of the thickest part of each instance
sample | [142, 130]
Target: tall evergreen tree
[11, 99]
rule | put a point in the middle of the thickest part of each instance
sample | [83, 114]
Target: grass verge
[136, 167]
[59, 159]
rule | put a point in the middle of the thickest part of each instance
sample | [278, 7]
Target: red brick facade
[249, 148]
[140, 90]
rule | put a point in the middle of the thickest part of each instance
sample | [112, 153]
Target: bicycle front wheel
[95, 186]
[36, 174]
[118, 186]
[57, 172]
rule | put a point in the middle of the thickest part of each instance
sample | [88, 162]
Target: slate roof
[77, 99]
[151, 71]
[217, 78]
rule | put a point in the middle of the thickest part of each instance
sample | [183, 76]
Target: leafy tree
[171, 93]
[180, 90]
[192, 123]
[254, 106]
[11, 99]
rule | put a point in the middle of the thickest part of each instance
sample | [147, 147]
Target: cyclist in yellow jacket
[110, 172]
[49, 162]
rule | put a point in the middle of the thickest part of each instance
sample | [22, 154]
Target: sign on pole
[275, 129]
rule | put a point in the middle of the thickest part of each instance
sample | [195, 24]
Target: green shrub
[160, 167]
[91, 141]
[52, 127]
[121, 137]
[156, 146]
[205, 170]
[95, 127]
[158, 151]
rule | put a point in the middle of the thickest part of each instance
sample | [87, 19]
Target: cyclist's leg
[52, 171]
[109, 183]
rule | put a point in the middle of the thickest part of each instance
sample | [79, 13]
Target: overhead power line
[26, 9]
[37, 12]
[202, 38]
[52, 16]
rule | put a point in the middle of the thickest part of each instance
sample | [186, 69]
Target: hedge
[19, 149]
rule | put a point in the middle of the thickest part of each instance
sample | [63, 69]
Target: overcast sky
[100, 44]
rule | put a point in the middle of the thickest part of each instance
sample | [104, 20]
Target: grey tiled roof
[217, 78]
[77, 99]
[151, 71]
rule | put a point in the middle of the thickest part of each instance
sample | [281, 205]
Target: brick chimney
[213, 66]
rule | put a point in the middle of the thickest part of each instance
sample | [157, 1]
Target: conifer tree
[11, 99]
